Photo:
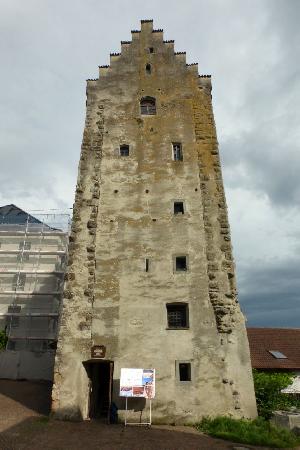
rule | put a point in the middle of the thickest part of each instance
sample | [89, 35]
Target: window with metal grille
[181, 264]
[177, 315]
[184, 371]
[177, 152]
[178, 208]
[124, 150]
[148, 106]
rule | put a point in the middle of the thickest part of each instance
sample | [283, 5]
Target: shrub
[253, 432]
[268, 394]
[3, 340]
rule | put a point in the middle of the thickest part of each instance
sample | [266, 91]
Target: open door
[101, 383]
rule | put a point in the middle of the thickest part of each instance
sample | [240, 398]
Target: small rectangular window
[184, 371]
[177, 315]
[147, 263]
[178, 208]
[151, 50]
[124, 150]
[177, 152]
[181, 264]
[25, 245]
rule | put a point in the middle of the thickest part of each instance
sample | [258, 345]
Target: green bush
[253, 432]
[3, 339]
[268, 394]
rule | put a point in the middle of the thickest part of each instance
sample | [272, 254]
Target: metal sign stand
[139, 423]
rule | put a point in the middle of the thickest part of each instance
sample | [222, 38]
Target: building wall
[123, 213]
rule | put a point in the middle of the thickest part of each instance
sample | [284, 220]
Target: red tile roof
[284, 340]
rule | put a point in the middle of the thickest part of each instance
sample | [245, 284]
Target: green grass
[253, 432]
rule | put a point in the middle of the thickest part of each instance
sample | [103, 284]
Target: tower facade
[151, 277]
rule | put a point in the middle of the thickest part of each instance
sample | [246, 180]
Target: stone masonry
[123, 214]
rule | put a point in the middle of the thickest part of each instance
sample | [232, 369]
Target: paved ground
[24, 425]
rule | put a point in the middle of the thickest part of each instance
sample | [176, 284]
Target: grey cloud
[49, 48]
[270, 293]
[259, 161]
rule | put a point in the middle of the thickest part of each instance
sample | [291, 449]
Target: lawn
[253, 432]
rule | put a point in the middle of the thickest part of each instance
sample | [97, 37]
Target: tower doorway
[100, 375]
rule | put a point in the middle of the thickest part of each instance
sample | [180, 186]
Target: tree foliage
[268, 394]
[3, 339]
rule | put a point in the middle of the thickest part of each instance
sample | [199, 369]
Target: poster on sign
[137, 383]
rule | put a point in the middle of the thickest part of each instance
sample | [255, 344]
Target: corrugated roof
[284, 340]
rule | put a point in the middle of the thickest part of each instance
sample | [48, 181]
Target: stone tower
[150, 274]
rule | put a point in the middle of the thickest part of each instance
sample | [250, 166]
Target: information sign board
[137, 383]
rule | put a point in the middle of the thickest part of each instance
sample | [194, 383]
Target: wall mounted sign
[98, 351]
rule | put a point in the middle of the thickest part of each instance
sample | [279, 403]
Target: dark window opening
[184, 371]
[151, 50]
[25, 245]
[124, 150]
[181, 263]
[147, 265]
[148, 106]
[178, 208]
[148, 68]
[177, 315]
[177, 152]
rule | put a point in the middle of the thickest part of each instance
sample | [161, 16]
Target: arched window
[148, 69]
[148, 105]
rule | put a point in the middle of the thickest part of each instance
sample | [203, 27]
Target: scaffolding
[33, 257]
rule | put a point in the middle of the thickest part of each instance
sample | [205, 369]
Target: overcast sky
[251, 48]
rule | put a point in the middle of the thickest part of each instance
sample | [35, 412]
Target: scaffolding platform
[33, 257]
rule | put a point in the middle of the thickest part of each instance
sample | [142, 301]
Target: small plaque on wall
[98, 351]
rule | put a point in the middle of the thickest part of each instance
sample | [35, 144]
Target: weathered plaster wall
[123, 214]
